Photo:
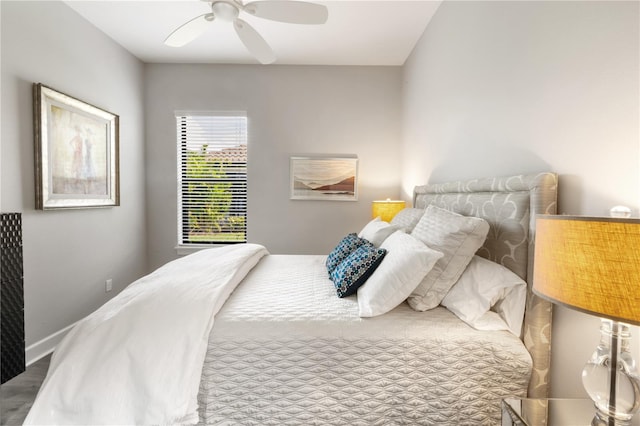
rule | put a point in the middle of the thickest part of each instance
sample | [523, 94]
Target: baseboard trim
[44, 347]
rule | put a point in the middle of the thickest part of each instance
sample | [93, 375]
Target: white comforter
[138, 359]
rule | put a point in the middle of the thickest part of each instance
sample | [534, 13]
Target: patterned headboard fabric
[510, 205]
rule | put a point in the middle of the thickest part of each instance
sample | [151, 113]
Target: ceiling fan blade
[189, 30]
[254, 42]
[293, 12]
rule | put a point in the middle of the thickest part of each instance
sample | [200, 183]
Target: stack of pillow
[427, 257]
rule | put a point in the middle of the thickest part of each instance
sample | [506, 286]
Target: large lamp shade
[590, 264]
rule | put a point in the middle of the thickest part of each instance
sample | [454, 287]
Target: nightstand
[551, 412]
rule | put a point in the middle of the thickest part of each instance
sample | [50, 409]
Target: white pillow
[458, 238]
[485, 286]
[407, 261]
[377, 231]
[407, 218]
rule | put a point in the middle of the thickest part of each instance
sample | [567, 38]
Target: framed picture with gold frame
[76, 152]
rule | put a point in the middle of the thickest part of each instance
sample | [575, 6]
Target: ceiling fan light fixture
[225, 11]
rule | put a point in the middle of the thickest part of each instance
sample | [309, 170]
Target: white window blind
[212, 178]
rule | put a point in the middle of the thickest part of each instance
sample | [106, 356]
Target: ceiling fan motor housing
[225, 10]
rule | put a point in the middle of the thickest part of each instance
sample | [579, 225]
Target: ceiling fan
[289, 11]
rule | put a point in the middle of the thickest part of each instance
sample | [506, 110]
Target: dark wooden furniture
[12, 351]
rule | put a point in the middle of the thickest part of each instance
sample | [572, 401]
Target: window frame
[183, 141]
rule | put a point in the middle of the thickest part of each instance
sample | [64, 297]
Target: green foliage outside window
[207, 181]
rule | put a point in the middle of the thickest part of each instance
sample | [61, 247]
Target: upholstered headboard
[510, 205]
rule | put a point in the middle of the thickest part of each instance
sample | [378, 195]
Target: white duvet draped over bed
[138, 359]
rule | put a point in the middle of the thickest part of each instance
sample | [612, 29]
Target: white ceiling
[358, 32]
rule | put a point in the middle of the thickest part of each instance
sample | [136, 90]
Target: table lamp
[593, 265]
[386, 209]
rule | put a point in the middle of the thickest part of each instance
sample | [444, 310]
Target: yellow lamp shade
[386, 209]
[589, 264]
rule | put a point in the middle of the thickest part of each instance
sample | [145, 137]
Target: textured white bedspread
[285, 350]
[137, 360]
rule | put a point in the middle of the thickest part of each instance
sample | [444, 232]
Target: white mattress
[285, 350]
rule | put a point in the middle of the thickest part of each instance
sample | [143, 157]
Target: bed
[283, 349]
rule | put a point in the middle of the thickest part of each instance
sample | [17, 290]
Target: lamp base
[608, 421]
[611, 377]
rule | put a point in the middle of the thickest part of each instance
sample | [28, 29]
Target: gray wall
[501, 88]
[291, 110]
[69, 254]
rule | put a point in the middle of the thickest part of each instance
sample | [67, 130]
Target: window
[212, 178]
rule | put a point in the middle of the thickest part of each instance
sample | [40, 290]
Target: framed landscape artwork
[324, 178]
[76, 152]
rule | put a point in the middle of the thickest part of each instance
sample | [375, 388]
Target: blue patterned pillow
[345, 247]
[356, 269]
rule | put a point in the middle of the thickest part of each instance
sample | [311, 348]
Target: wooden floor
[17, 394]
